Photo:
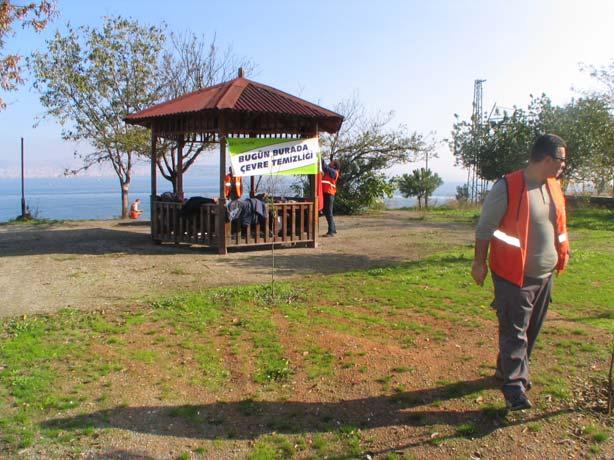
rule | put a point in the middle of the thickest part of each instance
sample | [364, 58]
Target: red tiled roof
[240, 95]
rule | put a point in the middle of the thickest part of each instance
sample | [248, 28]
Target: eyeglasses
[561, 159]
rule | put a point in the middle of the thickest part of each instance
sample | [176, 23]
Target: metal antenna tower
[477, 121]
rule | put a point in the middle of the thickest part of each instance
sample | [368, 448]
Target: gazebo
[236, 108]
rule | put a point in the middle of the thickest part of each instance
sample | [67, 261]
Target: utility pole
[477, 118]
[24, 209]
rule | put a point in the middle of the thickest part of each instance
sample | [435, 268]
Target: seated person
[135, 212]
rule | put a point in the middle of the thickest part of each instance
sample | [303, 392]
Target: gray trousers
[521, 313]
[329, 201]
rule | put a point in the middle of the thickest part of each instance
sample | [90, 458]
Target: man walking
[523, 220]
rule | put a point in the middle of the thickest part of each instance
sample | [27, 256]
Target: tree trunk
[125, 186]
[426, 201]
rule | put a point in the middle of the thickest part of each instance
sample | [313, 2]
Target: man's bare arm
[479, 268]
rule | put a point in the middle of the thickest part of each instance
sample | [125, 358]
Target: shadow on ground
[90, 241]
[248, 419]
[290, 263]
[133, 237]
[285, 261]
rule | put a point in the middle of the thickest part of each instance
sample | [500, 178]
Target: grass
[274, 446]
[396, 456]
[466, 430]
[591, 218]
[467, 214]
[252, 344]
[535, 427]
[35, 222]
[595, 434]
[320, 362]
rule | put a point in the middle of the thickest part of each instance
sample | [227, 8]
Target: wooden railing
[168, 225]
[284, 223]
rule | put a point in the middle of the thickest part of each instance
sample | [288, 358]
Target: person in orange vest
[524, 223]
[233, 186]
[329, 189]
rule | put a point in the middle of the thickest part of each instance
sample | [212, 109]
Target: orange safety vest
[231, 181]
[508, 246]
[329, 185]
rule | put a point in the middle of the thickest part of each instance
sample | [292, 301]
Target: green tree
[421, 183]
[34, 15]
[90, 78]
[366, 146]
[603, 174]
[503, 146]
[587, 125]
[498, 147]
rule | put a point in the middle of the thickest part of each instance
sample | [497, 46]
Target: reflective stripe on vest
[507, 238]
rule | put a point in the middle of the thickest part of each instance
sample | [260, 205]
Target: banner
[260, 156]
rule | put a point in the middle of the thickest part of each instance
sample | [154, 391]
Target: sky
[418, 59]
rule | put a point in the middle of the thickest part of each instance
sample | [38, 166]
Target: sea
[84, 198]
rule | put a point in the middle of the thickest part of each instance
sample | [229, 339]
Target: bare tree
[366, 146]
[191, 64]
[604, 75]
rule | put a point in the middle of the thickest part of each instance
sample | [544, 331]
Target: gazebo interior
[236, 108]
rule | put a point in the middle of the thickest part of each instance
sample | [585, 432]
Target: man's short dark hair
[546, 145]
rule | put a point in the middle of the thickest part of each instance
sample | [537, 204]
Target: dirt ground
[99, 264]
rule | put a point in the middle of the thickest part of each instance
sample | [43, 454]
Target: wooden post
[180, 144]
[252, 179]
[221, 209]
[154, 191]
[314, 197]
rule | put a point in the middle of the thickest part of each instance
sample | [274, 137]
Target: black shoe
[520, 402]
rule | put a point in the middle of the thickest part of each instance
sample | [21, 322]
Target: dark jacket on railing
[192, 206]
[249, 212]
